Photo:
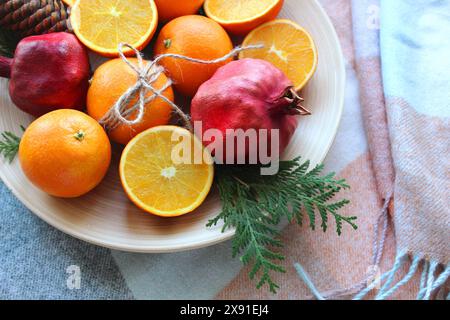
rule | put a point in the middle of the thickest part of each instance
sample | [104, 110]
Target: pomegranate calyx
[295, 106]
[290, 103]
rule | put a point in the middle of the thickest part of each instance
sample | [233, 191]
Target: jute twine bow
[121, 112]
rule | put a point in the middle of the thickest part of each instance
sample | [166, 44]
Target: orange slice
[287, 46]
[242, 16]
[102, 25]
[166, 171]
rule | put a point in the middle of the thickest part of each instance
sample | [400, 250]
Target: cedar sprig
[255, 204]
[9, 145]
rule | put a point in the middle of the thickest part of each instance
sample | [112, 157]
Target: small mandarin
[65, 153]
[171, 9]
[109, 83]
[196, 37]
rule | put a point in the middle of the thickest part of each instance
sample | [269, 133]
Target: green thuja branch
[255, 204]
[9, 145]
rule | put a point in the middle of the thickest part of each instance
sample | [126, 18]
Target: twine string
[147, 74]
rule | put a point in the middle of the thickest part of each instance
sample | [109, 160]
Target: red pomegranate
[247, 94]
[48, 72]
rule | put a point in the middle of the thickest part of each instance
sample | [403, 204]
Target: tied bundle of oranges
[66, 153]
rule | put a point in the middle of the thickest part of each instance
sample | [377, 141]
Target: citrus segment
[287, 46]
[102, 25]
[241, 17]
[161, 178]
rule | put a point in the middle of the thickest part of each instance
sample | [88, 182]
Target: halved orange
[287, 46]
[239, 16]
[102, 25]
[166, 171]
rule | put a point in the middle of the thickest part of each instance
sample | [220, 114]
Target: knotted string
[147, 74]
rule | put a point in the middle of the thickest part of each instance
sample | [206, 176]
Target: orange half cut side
[102, 25]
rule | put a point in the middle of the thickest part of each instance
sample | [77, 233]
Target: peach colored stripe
[340, 13]
[375, 121]
[422, 184]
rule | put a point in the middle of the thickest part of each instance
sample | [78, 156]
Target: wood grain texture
[107, 218]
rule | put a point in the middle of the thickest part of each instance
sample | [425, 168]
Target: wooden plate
[105, 217]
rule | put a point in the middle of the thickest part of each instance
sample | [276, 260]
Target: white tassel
[406, 278]
[302, 273]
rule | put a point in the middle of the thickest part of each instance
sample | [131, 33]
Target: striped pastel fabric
[392, 147]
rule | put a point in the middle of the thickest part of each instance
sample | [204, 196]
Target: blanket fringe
[429, 281]
[423, 280]
[386, 292]
[302, 273]
[378, 248]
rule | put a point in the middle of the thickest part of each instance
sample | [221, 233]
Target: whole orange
[65, 153]
[196, 37]
[171, 9]
[109, 83]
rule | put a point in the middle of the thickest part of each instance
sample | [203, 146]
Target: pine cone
[31, 17]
